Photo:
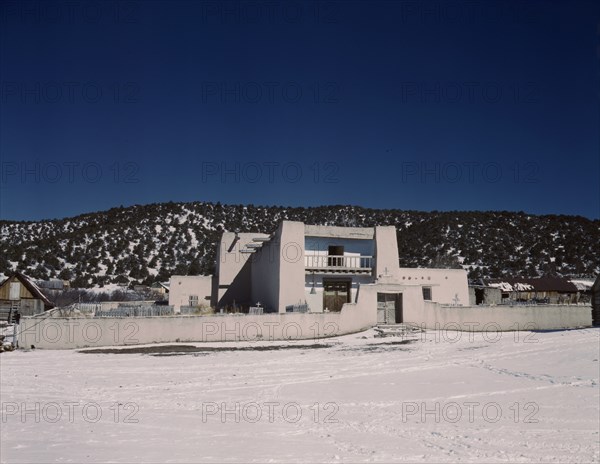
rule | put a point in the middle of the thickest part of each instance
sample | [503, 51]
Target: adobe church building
[318, 269]
[353, 273]
[305, 276]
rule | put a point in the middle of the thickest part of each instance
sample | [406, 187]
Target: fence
[298, 308]
[88, 308]
[256, 310]
[195, 310]
[136, 311]
[335, 261]
[529, 303]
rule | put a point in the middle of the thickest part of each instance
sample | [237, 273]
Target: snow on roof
[165, 285]
[522, 287]
[582, 285]
[504, 286]
[514, 287]
[538, 284]
[108, 288]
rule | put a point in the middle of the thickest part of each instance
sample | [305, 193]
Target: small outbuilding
[19, 293]
[161, 288]
[484, 295]
[552, 290]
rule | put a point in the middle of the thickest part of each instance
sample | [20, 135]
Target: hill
[146, 243]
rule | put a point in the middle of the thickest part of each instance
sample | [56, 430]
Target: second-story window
[427, 293]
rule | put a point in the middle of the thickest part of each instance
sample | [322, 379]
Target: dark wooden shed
[596, 302]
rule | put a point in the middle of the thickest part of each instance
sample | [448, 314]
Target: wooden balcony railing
[333, 263]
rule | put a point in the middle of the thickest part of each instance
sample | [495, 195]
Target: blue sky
[438, 105]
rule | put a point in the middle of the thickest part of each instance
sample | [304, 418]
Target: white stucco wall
[65, 333]
[181, 287]
[265, 274]
[501, 318]
[386, 250]
[70, 333]
[291, 269]
[233, 269]
[366, 233]
[446, 284]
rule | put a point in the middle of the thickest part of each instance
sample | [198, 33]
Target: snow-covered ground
[523, 398]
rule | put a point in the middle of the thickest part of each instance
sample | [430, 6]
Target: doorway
[479, 296]
[335, 294]
[336, 255]
[389, 308]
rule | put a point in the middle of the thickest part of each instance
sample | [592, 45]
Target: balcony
[336, 264]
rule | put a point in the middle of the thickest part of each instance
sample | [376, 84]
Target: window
[15, 291]
[427, 293]
[193, 300]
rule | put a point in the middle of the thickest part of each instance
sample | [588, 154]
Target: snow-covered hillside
[149, 243]
[443, 397]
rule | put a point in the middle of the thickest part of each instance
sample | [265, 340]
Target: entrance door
[335, 294]
[389, 308]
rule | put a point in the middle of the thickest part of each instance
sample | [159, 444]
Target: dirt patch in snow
[173, 350]
[381, 347]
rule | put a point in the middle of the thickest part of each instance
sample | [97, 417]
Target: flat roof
[360, 233]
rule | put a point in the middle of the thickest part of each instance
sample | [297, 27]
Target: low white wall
[71, 333]
[501, 318]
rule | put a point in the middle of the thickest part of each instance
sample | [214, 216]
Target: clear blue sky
[412, 105]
